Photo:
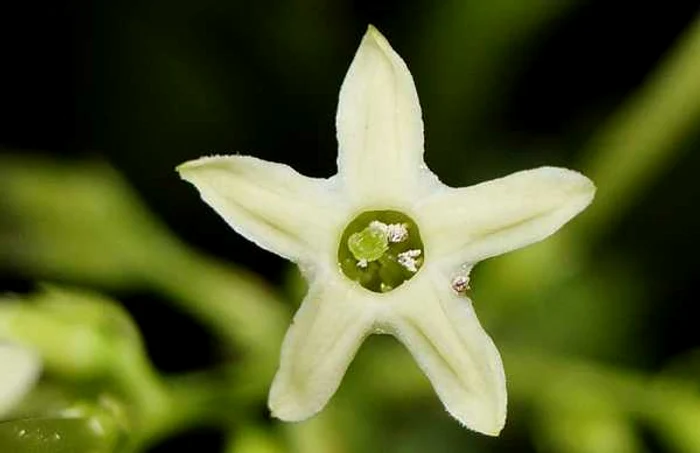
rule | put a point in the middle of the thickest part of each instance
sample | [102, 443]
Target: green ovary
[380, 250]
[369, 244]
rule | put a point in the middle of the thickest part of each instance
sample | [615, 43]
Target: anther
[397, 232]
[379, 226]
[460, 284]
[394, 232]
[408, 259]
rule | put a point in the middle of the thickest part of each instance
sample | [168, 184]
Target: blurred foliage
[571, 315]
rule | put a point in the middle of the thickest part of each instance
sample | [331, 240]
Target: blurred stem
[643, 138]
[239, 306]
[671, 407]
[638, 143]
[83, 339]
[152, 405]
[537, 376]
[83, 223]
[194, 400]
[243, 312]
[322, 434]
[250, 439]
[209, 399]
[477, 47]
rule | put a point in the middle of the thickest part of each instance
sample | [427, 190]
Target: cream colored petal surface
[326, 333]
[444, 336]
[488, 219]
[268, 203]
[380, 130]
[19, 370]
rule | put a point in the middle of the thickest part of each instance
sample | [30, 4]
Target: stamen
[408, 259]
[394, 232]
[397, 232]
[460, 284]
[379, 226]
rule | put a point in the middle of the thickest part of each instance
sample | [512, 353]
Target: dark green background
[149, 84]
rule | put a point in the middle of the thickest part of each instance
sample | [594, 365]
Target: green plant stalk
[538, 380]
[238, 306]
[671, 407]
[473, 44]
[643, 138]
[195, 400]
[639, 142]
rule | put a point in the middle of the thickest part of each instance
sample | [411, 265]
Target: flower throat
[380, 250]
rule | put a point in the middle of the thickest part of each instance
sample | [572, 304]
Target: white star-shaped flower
[19, 370]
[385, 246]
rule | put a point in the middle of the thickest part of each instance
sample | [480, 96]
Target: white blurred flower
[363, 279]
[19, 371]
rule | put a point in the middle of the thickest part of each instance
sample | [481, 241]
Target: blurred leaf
[674, 414]
[685, 367]
[77, 221]
[598, 313]
[78, 334]
[566, 432]
[249, 439]
[81, 222]
[321, 434]
[574, 421]
[91, 345]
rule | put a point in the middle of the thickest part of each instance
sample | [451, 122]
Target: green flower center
[380, 250]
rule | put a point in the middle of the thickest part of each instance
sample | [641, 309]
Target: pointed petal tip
[579, 188]
[374, 33]
[577, 182]
[289, 410]
[321, 342]
[443, 334]
[182, 170]
[483, 415]
[374, 37]
[193, 164]
[489, 426]
[379, 124]
[293, 403]
[574, 177]
[185, 169]
[183, 166]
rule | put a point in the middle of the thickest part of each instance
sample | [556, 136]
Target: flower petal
[380, 130]
[441, 331]
[473, 223]
[19, 370]
[268, 203]
[326, 333]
